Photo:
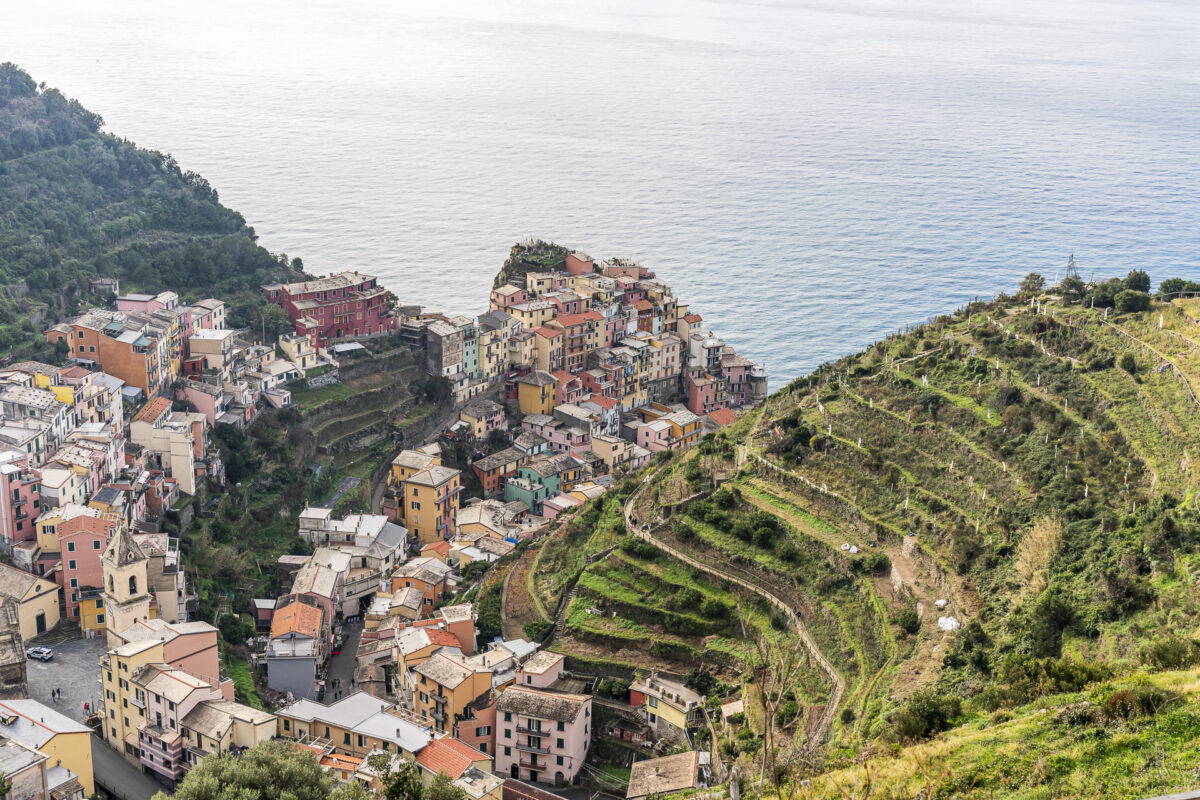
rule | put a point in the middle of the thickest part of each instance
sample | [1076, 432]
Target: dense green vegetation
[77, 203]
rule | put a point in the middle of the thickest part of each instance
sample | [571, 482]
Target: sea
[809, 175]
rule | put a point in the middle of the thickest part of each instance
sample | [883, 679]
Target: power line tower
[1072, 271]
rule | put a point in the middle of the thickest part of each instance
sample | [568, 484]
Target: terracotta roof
[443, 638]
[693, 318]
[153, 410]
[643, 305]
[602, 401]
[336, 761]
[297, 618]
[549, 333]
[563, 375]
[450, 756]
[571, 320]
[441, 548]
[723, 416]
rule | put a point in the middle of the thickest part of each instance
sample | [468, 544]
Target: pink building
[508, 296]
[148, 303]
[570, 388]
[705, 393]
[81, 542]
[560, 437]
[169, 694]
[20, 499]
[654, 436]
[579, 264]
[542, 736]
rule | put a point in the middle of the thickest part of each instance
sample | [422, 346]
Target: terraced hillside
[983, 513]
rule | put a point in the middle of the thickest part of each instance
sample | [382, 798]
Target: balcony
[528, 748]
[528, 764]
[531, 731]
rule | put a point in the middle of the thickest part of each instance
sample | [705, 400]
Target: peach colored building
[81, 542]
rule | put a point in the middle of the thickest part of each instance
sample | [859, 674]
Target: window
[100, 604]
[558, 743]
[125, 702]
[362, 742]
[346, 738]
[95, 544]
[507, 733]
[562, 726]
[287, 724]
[74, 584]
[170, 706]
[529, 679]
[508, 751]
[99, 619]
[508, 716]
[71, 564]
[652, 702]
[560, 760]
[172, 723]
[70, 547]
[484, 730]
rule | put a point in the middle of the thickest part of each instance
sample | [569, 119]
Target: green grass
[243, 682]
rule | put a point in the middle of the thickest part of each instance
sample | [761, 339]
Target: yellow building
[430, 502]
[353, 726]
[65, 741]
[214, 726]
[123, 711]
[444, 688]
[92, 619]
[36, 599]
[547, 349]
[667, 703]
[537, 393]
[48, 524]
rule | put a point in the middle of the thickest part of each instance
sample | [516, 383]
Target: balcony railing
[528, 748]
[528, 764]
[530, 731]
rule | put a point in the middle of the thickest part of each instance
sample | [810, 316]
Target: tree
[399, 777]
[271, 771]
[1071, 288]
[1032, 283]
[442, 788]
[271, 322]
[1129, 363]
[1137, 281]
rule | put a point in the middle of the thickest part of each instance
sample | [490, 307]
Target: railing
[530, 731]
[528, 748]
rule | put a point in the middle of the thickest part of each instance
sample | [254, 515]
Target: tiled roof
[297, 618]
[542, 705]
[153, 410]
[449, 755]
[723, 416]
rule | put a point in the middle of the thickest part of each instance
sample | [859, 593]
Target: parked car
[40, 653]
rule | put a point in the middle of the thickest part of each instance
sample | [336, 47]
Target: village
[572, 379]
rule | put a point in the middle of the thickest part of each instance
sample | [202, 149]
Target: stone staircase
[64, 631]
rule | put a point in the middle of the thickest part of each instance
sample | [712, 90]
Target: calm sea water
[809, 175]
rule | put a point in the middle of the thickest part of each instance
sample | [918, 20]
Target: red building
[348, 304]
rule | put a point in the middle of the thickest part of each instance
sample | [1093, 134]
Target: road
[343, 488]
[75, 671]
[342, 665]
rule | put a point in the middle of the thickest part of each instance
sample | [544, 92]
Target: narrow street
[340, 674]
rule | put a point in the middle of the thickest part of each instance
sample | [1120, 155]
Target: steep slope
[77, 203]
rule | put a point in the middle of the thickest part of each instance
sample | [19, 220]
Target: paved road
[75, 670]
[342, 665]
[343, 488]
[119, 777]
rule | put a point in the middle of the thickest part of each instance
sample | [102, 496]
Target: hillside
[992, 512]
[77, 203]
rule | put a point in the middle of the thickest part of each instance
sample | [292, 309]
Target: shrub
[537, 631]
[907, 619]
[1129, 363]
[924, 714]
[1129, 301]
[1173, 652]
[848, 715]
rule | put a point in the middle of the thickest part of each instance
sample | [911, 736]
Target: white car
[40, 653]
